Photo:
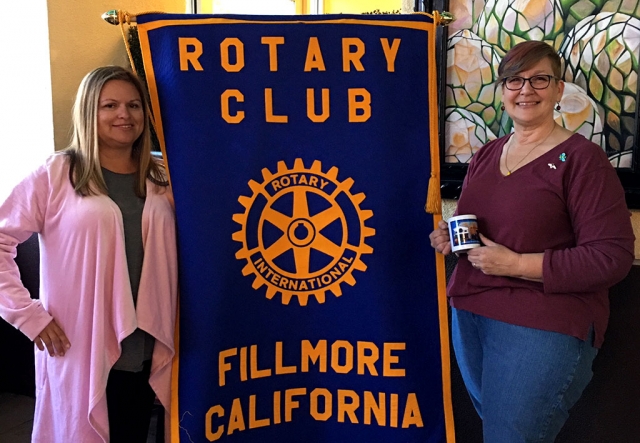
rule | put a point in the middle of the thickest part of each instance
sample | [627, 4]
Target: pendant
[508, 172]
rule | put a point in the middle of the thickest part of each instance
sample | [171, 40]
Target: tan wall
[79, 41]
[408, 6]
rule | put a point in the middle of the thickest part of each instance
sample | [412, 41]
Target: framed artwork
[599, 44]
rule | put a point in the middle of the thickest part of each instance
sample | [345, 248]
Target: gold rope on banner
[434, 198]
[125, 17]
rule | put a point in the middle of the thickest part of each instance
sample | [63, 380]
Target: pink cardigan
[85, 287]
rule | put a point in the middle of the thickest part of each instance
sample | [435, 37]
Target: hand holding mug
[439, 238]
[494, 259]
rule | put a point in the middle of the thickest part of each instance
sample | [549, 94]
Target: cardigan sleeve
[21, 215]
[604, 239]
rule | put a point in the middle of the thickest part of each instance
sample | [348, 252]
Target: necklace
[506, 156]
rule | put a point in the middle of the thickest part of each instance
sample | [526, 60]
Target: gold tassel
[434, 200]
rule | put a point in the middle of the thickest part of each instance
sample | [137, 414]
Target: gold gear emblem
[302, 232]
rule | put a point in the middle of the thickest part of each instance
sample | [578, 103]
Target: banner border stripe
[443, 315]
[420, 26]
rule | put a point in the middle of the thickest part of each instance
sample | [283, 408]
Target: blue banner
[299, 154]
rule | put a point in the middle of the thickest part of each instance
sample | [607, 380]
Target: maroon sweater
[574, 211]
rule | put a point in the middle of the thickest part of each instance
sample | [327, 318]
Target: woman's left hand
[494, 259]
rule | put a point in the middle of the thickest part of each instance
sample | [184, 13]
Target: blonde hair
[85, 172]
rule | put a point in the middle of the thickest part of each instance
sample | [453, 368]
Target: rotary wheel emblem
[302, 232]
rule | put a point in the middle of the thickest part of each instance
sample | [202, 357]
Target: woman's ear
[560, 90]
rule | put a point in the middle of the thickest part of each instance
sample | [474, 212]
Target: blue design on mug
[464, 232]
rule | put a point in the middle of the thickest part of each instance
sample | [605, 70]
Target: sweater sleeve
[21, 215]
[604, 240]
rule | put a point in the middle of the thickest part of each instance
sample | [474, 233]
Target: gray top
[138, 347]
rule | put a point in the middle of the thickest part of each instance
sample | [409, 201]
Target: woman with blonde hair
[105, 320]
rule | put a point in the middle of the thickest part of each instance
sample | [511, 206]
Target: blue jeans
[522, 381]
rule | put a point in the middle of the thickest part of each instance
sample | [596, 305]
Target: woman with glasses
[530, 307]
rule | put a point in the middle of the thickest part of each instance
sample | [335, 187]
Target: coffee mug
[463, 233]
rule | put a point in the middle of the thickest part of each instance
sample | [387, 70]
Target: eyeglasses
[515, 83]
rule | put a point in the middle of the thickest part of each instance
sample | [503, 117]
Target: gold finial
[119, 17]
[111, 17]
[443, 18]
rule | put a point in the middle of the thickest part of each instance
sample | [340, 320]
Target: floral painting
[598, 42]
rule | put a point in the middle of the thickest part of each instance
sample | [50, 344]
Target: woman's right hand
[54, 339]
[440, 238]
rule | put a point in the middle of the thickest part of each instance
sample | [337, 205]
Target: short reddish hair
[524, 56]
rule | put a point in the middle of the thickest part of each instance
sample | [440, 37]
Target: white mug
[463, 233]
